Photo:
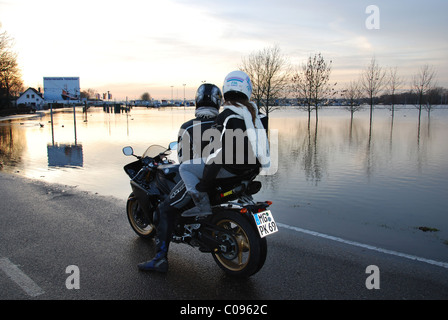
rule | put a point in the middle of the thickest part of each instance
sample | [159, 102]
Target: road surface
[60, 243]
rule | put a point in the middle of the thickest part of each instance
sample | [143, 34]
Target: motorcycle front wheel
[242, 252]
[137, 219]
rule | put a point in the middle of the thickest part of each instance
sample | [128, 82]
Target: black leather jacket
[190, 144]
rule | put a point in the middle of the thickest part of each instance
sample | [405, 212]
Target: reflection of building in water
[65, 155]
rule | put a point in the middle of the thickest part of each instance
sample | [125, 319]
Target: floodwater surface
[383, 184]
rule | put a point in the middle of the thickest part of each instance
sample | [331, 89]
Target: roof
[39, 94]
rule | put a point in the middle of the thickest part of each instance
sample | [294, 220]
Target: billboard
[61, 88]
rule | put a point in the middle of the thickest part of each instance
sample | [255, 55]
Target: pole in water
[74, 120]
[52, 130]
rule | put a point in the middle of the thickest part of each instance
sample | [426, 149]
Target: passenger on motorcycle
[241, 147]
[190, 146]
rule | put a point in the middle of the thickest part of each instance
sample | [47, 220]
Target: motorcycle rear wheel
[138, 222]
[245, 252]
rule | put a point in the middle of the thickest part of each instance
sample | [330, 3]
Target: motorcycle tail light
[268, 202]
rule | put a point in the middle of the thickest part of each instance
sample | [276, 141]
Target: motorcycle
[235, 234]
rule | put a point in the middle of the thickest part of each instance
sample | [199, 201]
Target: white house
[32, 98]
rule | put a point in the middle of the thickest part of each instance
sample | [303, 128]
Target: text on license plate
[265, 223]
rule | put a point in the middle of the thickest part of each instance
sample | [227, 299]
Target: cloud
[173, 42]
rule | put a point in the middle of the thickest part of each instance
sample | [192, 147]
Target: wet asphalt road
[46, 228]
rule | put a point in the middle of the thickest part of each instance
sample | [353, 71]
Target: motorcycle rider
[190, 146]
[240, 119]
[208, 101]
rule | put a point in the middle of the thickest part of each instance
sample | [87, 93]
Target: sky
[171, 46]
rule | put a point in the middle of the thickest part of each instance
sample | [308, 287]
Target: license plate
[265, 223]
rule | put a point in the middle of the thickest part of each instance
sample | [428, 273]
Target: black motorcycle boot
[160, 261]
[202, 203]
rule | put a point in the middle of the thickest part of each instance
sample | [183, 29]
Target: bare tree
[253, 65]
[146, 96]
[89, 93]
[311, 83]
[394, 83]
[372, 82]
[268, 70]
[10, 77]
[302, 86]
[352, 94]
[422, 83]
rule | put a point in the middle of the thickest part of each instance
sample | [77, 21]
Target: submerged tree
[311, 83]
[352, 94]
[372, 82]
[422, 84]
[394, 82]
[268, 70]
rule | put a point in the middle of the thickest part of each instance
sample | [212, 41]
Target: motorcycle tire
[137, 220]
[245, 252]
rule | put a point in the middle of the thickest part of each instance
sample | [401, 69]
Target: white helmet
[237, 82]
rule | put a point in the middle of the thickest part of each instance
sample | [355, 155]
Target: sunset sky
[136, 46]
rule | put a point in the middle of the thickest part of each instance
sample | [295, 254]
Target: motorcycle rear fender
[246, 210]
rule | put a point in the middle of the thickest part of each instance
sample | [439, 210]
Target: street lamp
[184, 92]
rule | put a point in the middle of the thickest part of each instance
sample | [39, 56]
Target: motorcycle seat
[230, 183]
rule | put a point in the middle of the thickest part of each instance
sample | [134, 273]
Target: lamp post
[184, 94]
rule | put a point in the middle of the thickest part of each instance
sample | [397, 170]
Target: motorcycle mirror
[128, 151]
[173, 145]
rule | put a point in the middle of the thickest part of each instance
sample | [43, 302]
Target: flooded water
[381, 185]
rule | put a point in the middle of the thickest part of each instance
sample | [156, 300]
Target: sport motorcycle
[235, 233]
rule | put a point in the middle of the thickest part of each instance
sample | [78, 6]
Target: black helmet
[208, 95]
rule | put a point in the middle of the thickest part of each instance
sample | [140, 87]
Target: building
[31, 98]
